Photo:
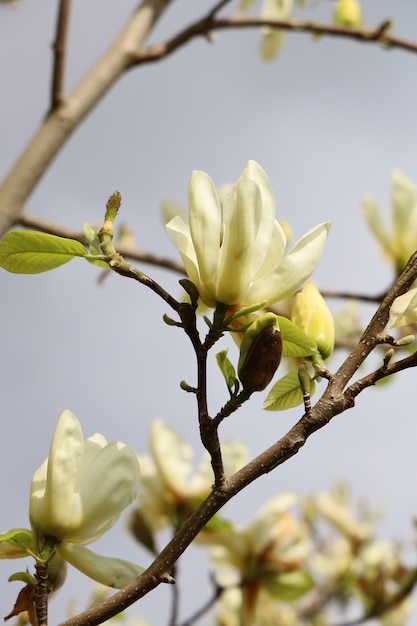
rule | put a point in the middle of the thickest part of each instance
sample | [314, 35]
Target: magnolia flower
[79, 492]
[171, 489]
[233, 250]
[400, 242]
[311, 313]
[266, 557]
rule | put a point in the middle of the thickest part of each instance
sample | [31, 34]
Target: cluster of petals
[233, 248]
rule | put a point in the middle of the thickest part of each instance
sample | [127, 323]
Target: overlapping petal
[233, 249]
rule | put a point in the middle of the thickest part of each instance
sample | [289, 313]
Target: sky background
[328, 120]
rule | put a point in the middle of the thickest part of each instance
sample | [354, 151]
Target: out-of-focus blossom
[331, 508]
[171, 489]
[234, 250]
[348, 13]
[265, 559]
[311, 313]
[272, 38]
[399, 243]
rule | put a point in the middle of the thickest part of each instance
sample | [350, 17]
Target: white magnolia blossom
[234, 249]
[79, 492]
[169, 482]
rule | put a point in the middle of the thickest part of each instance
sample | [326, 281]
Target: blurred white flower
[399, 243]
[171, 487]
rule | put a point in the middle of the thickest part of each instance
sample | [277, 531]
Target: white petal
[376, 225]
[238, 249]
[109, 485]
[115, 573]
[173, 456]
[404, 309]
[54, 510]
[205, 218]
[179, 232]
[295, 269]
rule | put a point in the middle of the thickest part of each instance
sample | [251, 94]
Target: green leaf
[25, 577]
[295, 343]
[31, 252]
[227, 369]
[289, 586]
[19, 540]
[286, 393]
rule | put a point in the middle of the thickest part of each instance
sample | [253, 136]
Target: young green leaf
[227, 369]
[32, 252]
[289, 586]
[286, 393]
[295, 343]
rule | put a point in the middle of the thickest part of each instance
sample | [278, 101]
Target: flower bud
[348, 13]
[260, 353]
[312, 315]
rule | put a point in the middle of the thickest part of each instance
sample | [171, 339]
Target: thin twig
[59, 47]
[209, 23]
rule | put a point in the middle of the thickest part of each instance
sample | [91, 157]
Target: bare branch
[59, 46]
[378, 34]
[47, 226]
[58, 126]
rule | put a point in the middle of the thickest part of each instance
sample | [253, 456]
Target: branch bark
[60, 123]
[332, 403]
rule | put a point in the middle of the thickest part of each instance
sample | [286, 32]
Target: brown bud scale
[262, 360]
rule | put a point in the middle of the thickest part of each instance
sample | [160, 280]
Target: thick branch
[59, 125]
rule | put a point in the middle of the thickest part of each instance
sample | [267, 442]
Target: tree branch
[330, 404]
[59, 125]
[59, 46]
[204, 26]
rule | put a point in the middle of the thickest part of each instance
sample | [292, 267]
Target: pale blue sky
[328, 121]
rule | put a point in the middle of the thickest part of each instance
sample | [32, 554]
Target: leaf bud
[260, 353]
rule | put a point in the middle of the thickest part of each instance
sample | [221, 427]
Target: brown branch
[330, 404]
[47, 226]
[60, 124]
[204, 26]
[59, 47]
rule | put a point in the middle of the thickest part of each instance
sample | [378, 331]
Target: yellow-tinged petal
[53, 484]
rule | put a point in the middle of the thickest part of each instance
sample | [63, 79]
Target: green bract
[234, 250]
